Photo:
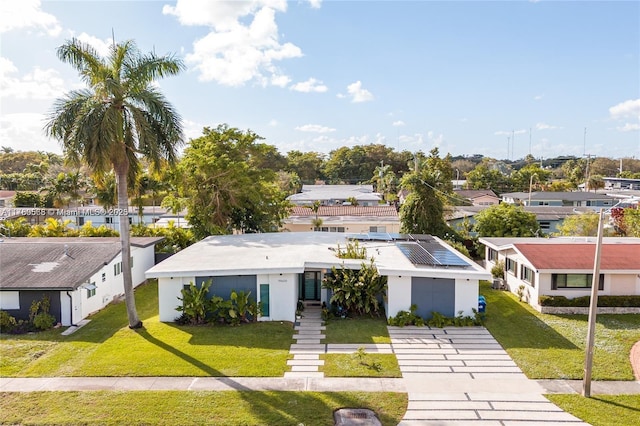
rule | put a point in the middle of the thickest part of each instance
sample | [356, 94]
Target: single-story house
[79, 275]
[333, 195]
[563, 266]
[548, 218]
[593, 200]
[350, 219]
[478, 197]
[281, 268]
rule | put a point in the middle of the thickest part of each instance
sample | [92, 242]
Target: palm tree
[120, 118]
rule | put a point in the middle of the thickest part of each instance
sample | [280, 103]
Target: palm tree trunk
[123, 206]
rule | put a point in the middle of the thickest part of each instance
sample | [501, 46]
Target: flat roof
[295, 252]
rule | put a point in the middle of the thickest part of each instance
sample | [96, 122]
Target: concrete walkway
[462, 376]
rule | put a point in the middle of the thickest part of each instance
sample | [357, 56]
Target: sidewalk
[335, 384]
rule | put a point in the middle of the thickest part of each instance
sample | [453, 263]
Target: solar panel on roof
[432, 254]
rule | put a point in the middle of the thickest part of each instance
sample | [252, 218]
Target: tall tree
[119, 118]
[506, 220]
[226, 186]
[423, 210]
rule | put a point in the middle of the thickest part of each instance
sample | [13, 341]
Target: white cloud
[37, 84]
[538, 97]
[510, 132]
[311, 85]
[315, 4]
[398, 123]
[234, 53]
[380, 139]
[315, 128]
[435, 140]
[626, 109]
[273, 123]
[102, 46]
[629, 127]
[358, 94]
[23, 132]
[545, 126]
[18, 14]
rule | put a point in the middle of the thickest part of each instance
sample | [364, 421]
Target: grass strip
[601, 410]
[193, 408]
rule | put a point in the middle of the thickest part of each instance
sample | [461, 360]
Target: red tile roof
[324, 211]
[581, 256]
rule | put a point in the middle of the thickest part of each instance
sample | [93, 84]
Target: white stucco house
[79, 275]
[563, 266]
[281, 268]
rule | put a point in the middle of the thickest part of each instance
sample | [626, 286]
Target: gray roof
[541, 212]
[57, 263]
[335, 192]
[550, 195]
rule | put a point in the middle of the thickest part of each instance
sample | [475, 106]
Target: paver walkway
[462, 376]
[307, 349]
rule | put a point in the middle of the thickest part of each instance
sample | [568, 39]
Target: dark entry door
[310, 286]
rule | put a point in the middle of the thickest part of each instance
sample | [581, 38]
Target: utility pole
[593, 309]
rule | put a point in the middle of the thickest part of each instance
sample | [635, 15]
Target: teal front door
[310, 285]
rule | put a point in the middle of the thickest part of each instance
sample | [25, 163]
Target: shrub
[7, 322]
[194, 302]
[404, 318]
[498, 269]
[357, 291]
[44, 321]
[584, 301]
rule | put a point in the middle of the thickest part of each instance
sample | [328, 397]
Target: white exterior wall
[283, 296]
[168, 293]
[614, 285]
[399, 294]
[466, 296]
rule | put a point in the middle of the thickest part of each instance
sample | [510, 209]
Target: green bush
[584, 301]
[44, 321]
[404, 318]
[7, 322]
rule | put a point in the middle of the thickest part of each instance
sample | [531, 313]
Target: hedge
[584, 301]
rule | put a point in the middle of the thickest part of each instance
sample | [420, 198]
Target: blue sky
[502, 79]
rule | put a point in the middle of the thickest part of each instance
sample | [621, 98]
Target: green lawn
[601, 410]
[107, 347]
[553, 346]
[371, 365]
[193, 408]
[357, 330]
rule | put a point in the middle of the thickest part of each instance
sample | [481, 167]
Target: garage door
[222, 286]
[433, 294]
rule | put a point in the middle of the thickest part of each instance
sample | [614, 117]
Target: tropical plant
[195, 302]
[352, 251]
[357, 291]
[505, 220]
[118, 119]
[241, 303]
[18, 227]
[404, 318]
[88, 230]
[53, 228]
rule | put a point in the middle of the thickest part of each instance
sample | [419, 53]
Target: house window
[80, 221]
[336, 229]
[108, 220]
[131, 262]
[104, 276]
[570, 281]
[117, 268]
[527, 275]
[91, 290]
[492, 254]
[377, 229]
[512, 266]
[545, 225]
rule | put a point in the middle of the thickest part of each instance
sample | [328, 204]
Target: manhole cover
[355, 417]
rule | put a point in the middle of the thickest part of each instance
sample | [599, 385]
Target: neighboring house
[594, 200]
[548, 218]
[478, 197]
[281, 268]
[79, 275]
[333, 195]
[109, 216]
[563, 266]
[351, 219]
[6, 198]
[621, 183]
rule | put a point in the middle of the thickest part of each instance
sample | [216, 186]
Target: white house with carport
[79, 275]
[563, 266]
[281, 268]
